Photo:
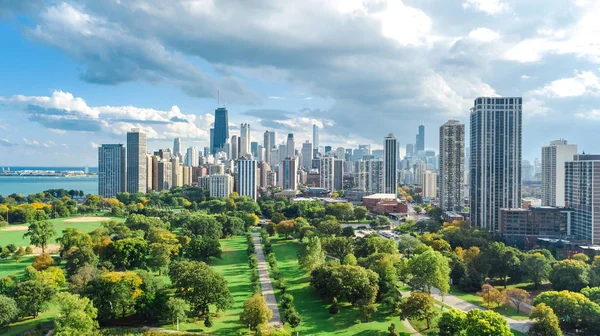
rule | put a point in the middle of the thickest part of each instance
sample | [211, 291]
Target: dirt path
[87, 219]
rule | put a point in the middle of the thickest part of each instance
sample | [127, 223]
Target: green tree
[570, 275]
[407, 244]
[360, 212]
[201, 224]
[203, 248]
[503, 258]
[348, 231]
[429, 269]
[177, 308]
[77, 315]
[277, 217]
[372, 244]
[233, 226]
[580, 257]
[256, 312]
[330, 226]
[486, 323]
[338, 247]
[200, 286]
[128, 252]
[350, 259]
[392, 330]
[114, 294]
[160, 257]
[516, 296]
[592, 293]
[574, 310]
[73, 237]
[418, 306]
[32, 297]
[40, 233]
[452, 322]
[79, 257]
[9, 312]
[310, 254]
[537, 267]
[545, 322]
[43, 261]
[366, 310]
[286, 227]
[351, 283]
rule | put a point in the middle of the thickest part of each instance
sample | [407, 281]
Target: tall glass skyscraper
[111, 170]
[451, 160]
[220, 133]
[495, 160]
[420, 144]
[390, 165]
[136, 161]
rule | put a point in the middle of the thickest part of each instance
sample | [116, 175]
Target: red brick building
[384, 204]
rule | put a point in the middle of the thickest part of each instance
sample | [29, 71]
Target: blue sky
[75, 74]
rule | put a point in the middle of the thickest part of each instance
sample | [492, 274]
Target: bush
[3, 224]
[42, 262]
[28, 250]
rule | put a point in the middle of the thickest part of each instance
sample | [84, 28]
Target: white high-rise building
[291, 146]
[451, 161]
[136, 161]
[495, 160]
[582, 187]
[390, 164]
[247, 177]
[376, 177]
[192, 157]
[234, 147]
[418, 169]
[553, 171]
[327, 173]
[429, 184]
[307, 153]
[267, 146]
[111, 170]
[315, 136]
[340, 153]
[245, 140]
[220, 186]
[165, 175]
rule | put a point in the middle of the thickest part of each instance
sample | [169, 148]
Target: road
[265, 282]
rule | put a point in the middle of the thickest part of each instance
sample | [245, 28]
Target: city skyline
[82, 101]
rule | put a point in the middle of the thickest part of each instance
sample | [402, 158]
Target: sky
[76, 74]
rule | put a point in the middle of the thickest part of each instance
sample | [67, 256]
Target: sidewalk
[265, 282]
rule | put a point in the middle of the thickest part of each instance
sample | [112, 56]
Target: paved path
[410, 328]
[265, 282]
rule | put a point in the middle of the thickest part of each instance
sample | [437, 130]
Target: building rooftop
[381, 196]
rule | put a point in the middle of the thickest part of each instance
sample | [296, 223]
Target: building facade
[553, 171]
[420, 139]
[244, 139]
[338, 174]
[247, 177]
[429, 184]
[267, 146]
[582, 194]
[136, 161]
[451, 166]
[315, 140]
[327, 173]
[111, 170]
[495, 160]
[390, 164]
[220, 133]
[220, 186]
[307, 154]
[537, 221]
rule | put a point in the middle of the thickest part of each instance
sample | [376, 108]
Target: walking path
[265, 282]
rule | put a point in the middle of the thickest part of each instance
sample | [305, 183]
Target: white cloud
[409, 26]
[590, 115]
[535, 107]
[94, 145]
[582, 83]
[490, 7]
[275, 97]
[525, 77]
[483, 34]
[31, 142]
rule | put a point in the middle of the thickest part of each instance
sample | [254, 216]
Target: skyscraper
[247, 177]
[410, 149]
[582, 185]
[165, 175]
[136, 161]
[390, 163]
[307, 152]
[315, 136]
[111, 170]
[220, 186]
[192, 157]
[553, 171]
[254, 149]
[177, 147]
[451, 161]
[234, 147]
[429, 184]
[221, 130]
[340, 153]
[244, 139]
[338, 174]
[327, 173]
[267, 146]
[495, 168]
[288, 171]
[291, 146]
[420, 143]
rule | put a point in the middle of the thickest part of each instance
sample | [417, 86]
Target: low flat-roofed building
[535, 221]
[384, 204]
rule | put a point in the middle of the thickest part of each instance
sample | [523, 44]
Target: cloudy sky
[74, 74]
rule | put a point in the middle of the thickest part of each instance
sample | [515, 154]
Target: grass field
[316, 319]
[16, 237]
[508, 311]
[234, 267]
[11, 267]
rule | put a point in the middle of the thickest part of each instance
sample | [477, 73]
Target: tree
[366, 310]
[486, 323]
[392, 330]
[592, 294]
[417, 209]
[570, 275]
[545, 322]
[293, 319]
[127, 252]
[32, 297]
[360, 212]
[177, 308]
[348, 231]
[381, 222]
[115, 294]
[418, 306]
[77, 315]
[256, 312]
[490, 295]
[233, 226]
[407, 244]
[79, 257]
[503, 258]
[160, 257]
[452, 322]
[429, 269]
[537, 267]
[351, 283]
[372, 244]
[40, 233]
[201, 224]
[350, 259]
[43, 261]
[79, 281]
[574, 310]
[580, 257]
[338, 247]
[9, 312]
[73, 237]
[200, 286]
[516, 296]
[285, 227]
[203, 248]
[310, 254]
[19, 253]
[52, 276]
[277, 217]
[329, 226]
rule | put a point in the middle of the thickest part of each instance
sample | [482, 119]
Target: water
[33, 184]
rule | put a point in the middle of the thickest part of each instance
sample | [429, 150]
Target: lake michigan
[33, 184]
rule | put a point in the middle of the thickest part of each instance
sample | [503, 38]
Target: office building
[307, 154]
[340, 153]
[582, 187]
[429, 184]
[136, 161]
[419, 169]
[177, 173]
[451, 166]
[247, 177]
[291, 146]
[220, 186]
[177, 147]
[192, 156]
[553, 171]
[495, 167]
[410, 148]
[165, 175]
[264, 170]
[338, 174]
[288, 176]
[187, 175]
[315, 140]
[548, 222]
[376, 182]
[151, 172]
[111, 170]
[234, 147]
[220, 133]
[348, 155]
[216, 169]
[420, 143]
[282, 152]
[267, 146]
[244, 139]
[254, 149]
[327, 173]
[390, 164]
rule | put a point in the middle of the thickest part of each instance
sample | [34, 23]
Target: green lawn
[43, 320]
[508, 311]
[16, 237]
[9, 266]
[316, 319]
[234, 267]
